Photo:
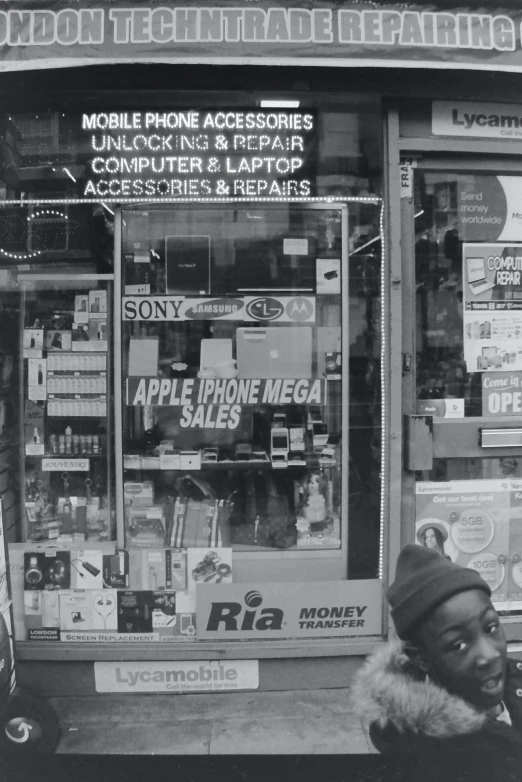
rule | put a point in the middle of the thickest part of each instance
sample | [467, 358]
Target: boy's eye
[492, 628]
[458, 646]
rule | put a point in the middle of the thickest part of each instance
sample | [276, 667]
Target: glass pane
[67, 473]
[234, 404]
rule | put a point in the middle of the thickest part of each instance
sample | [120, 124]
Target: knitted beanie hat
[423, 580]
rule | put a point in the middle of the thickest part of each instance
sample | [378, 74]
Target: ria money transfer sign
[289, 610]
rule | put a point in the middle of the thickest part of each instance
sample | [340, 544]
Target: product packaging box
[116, 570]
[47, 570]
[87, 569]
[138, 493]
[182, 630]
[163, 609]
[208, 565]
[328, 275]
[33, 342]
[37, 379]
[81, 308]
[97, 304]
[145, 527]
[135, 611]
[158, 569]
[88, 609]
[58, 340]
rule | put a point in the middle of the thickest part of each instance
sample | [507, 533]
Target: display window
[191, 370]
[233, 366]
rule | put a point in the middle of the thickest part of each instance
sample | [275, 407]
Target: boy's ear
[416, 656]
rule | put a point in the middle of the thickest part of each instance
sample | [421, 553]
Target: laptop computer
[274, 352]
[477, 281]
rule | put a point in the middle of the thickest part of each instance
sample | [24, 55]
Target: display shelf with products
[66, 378]
[232, 376]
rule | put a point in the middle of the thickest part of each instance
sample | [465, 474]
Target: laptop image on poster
[274, 352]
[476, 270]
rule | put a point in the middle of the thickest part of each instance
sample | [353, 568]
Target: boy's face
[465, 649]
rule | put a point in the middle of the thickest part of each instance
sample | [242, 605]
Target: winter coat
[409, 714]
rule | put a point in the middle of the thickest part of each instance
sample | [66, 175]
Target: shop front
[258, 330]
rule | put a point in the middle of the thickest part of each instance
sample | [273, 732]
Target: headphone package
[47, 570]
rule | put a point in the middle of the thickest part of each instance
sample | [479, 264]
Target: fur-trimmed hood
[387, 693]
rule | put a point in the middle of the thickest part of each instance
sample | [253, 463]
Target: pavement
[295, 722]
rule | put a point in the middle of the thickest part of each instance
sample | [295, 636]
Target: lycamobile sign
[169, 676]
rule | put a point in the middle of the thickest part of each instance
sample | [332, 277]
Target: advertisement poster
[290, 610]
[489, 206]
[502, 393]
[477, 524]
[492, 306]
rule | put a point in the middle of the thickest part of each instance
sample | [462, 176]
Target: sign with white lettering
[264, 33]
[166, 392]
[476, 120]
[502, 394]
[177, 676]
[284, 309]
[291, 610]
[181, 154]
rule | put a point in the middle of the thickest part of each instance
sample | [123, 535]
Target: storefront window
[191, 363]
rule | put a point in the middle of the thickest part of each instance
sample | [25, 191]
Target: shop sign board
[492, 299]
[476, 119]
[262, 309]
[312, 609]
[199, 153]
[502, 394]
[178, 676]
[395, 35]
[477, 524]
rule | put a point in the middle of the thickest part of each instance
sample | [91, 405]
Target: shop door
[462, 252]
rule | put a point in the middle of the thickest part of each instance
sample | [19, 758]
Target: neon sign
[179, 154]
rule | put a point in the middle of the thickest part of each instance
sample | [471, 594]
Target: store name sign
[199, 154]
[290, 610]
[483, 120]
[260, 33]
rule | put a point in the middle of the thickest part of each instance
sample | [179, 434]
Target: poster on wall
[492, 306]
[477, 524]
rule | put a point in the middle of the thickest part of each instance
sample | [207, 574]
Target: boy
[448, 685]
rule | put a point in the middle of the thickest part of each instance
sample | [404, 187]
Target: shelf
[246, 465]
